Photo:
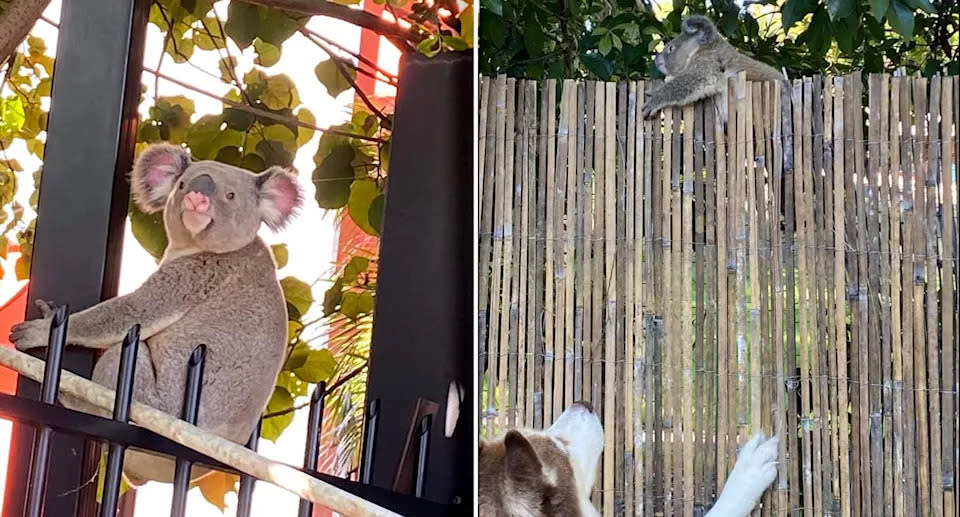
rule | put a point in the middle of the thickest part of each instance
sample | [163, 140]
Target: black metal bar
[191, 406]
[121, 413]
[81, 206]
[247, 483]
[369, 440]
[67, 421]
[48, 394]
[314, 424]
[423, 447]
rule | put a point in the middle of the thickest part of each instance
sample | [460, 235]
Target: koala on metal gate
[216, 285]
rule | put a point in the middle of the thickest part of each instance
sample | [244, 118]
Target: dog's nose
[583, 403]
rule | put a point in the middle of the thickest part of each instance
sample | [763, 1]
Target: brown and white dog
[527, 473]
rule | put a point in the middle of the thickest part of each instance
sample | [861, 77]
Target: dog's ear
[523, 465]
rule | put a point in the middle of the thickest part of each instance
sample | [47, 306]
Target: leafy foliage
[618, 40]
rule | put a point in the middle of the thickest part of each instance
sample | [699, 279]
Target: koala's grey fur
[697, 64]
[216, 286]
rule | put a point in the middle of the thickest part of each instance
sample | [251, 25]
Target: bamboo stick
[840, 156]
[686, 329]
[780, 420]
[609, 282]
[630, 297]
[932, 301]
[495, 284]
[908, 212]
[949, 89]
[895, 310]
[237, 456]
[507, 371]
[920, 276]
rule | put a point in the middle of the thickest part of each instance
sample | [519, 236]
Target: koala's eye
[182, 185]
[231, 195]
[669, 48]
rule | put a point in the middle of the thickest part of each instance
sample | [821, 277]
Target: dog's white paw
[755, 470]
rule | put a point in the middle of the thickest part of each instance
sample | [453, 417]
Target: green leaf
[494, 6]
[209, 134]
[365, 302]
[207, 35]
[298, 357]
[238, 119]
[879, 8]
[333, 177]
[330, 77]
[319, 366]
[148, 230]
[492, 30]
[350, 306]
[277, 26]
[280, 93]
[226, 66]
[430, 46]
[297, 293]
[598, 65]
[362, 193]
[267, 53]
[533, 37]
[12, 116]
[454, 43]
[794, 10]
[332, 297]
[840, 8]
[817, 34]
[924, 5]
[353, 269]
[305, 134]
[375, 215]
[273, 427]
[243, 23]
[900, 18]
[466, 25]
[290, 382]
[605, 45]
[282, 135]
[280, 254]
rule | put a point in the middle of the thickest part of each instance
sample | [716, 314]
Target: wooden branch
[16, 22]
[397, 35]
[298, 483]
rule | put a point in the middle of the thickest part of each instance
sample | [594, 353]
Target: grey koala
[216, 285]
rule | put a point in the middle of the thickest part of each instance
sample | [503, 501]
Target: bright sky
[310, 239]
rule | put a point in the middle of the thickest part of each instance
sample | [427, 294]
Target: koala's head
[542, 473]
[696, 32]
[208, 205]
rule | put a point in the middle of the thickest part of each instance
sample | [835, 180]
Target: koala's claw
[649, 111]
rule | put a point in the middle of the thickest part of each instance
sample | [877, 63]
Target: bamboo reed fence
[792, 271]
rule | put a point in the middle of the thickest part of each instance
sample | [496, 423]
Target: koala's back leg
[105, 374]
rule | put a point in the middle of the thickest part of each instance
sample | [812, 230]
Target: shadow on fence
[792, 271]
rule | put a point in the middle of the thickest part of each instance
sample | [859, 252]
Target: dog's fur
[527, 473]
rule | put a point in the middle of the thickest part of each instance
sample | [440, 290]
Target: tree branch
[340, 382]
[16, 22]
[259, 112]
[384, 120]
[397, 35]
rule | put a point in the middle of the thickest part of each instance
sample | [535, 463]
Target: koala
[697, 64]
[216, 285]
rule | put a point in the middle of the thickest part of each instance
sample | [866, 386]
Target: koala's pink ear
[155, 173]
[279, 197]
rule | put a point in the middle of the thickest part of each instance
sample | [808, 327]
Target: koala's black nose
[202, 184]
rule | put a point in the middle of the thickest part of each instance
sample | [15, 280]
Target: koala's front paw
[31, 334]
[649, 110]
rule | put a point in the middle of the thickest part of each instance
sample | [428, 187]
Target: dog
[528, 473]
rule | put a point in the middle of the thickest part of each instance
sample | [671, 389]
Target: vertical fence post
[191, 406]
[245, 493]
[121, 413]
[423, 447]
[314, 423]
[48, 395]
[369, 440]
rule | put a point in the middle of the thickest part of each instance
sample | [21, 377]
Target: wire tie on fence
[548, 356]
[948, 480]
[792, 382]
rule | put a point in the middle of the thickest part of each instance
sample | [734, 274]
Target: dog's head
[528, 473]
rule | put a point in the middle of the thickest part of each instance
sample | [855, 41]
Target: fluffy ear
[279, 197]
[700, 26]
[523, 465]
[155, 173]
